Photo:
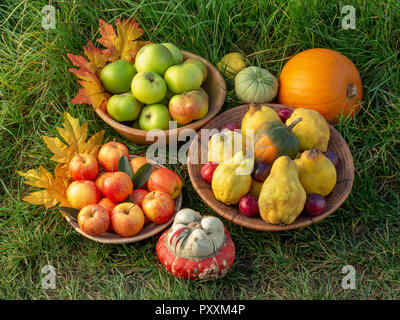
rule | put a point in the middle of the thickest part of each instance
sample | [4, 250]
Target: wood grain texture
[345, 177]
[150, 229]
[216, 89]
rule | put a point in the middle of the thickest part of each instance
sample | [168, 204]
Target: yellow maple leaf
[54, 189]
[124, 43]
[75, 136]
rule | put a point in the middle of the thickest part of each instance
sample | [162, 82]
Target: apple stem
[83, 179]
[94, 211]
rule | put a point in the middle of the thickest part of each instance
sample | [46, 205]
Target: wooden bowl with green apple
[215, 87]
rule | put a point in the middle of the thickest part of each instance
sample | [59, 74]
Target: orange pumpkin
[323, 80]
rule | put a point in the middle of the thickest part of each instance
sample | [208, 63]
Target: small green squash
[255, 85]
[274, 139]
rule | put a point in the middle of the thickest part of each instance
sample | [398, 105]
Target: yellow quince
[282, 196]
[313, 131]
[232, 178]
[256, 116]
[317, 173]
[224, 145]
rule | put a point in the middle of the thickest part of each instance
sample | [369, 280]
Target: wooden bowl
[216, 89]
[150, 229]
[345, 177]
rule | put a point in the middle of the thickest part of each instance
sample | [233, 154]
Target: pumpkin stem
[193, 226]
[296, 121]
[351, 90]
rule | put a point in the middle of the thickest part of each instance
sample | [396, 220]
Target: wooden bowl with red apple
[119, 198]
[214, 87]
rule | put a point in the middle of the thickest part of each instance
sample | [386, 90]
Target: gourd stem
[351, 90]
[296, 121]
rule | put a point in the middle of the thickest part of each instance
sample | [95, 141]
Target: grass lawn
[36, 89]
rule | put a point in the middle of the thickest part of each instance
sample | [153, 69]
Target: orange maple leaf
[97, 59]
[92, 91]
[124, 43]
[120, 45]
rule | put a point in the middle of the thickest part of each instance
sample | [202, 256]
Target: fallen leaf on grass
[75, 136]
[54, 188]
[97, 59]
[124, 43]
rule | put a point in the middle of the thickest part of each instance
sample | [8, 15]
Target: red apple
[230, 126]
[188, 106]
[127, 219]
[117, 186]
[108, 205]
[99, 182]
[83, 167]
[261, 171]
[158, 206]
[138, 195]
[248, 205]
[165, 180]
[110, 153]
[207, 171]
[315, 205]
[93, 219]
[82, 193]
[284, 113]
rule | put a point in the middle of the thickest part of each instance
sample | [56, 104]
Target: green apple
[148, 87]
[117, 76]
[177, 55]
[153, 57]
[123, 107]
[154, 116]
[200, 64]
[183, 77]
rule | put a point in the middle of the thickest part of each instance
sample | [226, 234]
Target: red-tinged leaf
[92, 91]
[97, 59]
[80, 61]
[123, 44]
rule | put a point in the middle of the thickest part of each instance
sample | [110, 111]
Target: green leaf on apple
[70, 212]
[142, 175]
[124, 166]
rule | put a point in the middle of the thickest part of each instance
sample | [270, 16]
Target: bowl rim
[262, 225]
[113, 238]
[193, 125]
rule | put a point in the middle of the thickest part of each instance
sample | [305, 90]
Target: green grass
[36, 89]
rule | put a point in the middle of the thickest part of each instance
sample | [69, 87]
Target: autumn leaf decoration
[122, 44]
[54, 188]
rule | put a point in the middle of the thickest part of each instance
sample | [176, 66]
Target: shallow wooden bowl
[345, 177]
[150, 229]
[216, 89]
